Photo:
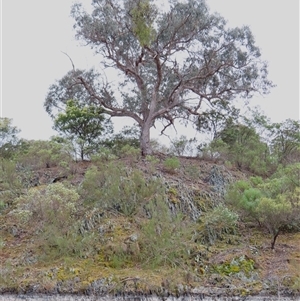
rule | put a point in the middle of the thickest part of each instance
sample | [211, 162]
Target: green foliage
[37, 154]
[161, 58]
[129, 136]
[236, 265]
[143, 15]
[50, 211]
[152, 163]
[84, 125]
[152, 159]
[8, 138]
[274, 203]
[113, 187]
[131, 152]
[283, 138]
[244, 198]
[273, 213]
[53, 204]
[103, 154]
[285, 143]
[163, 237]
[171, 164]
[214, 150]
[219, 221]
[12, 182]
[242, 146]
[213, 121]
[157, 147]
[284, 181]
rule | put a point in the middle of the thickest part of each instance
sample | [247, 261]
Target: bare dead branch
[70, 60]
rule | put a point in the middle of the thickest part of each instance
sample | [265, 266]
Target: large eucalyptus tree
[173, 64]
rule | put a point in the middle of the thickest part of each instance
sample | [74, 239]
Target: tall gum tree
[173, 65]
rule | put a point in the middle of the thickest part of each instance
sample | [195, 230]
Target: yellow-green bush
[50, 210]
[171, 164]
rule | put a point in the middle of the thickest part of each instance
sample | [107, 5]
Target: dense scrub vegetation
[164, 220]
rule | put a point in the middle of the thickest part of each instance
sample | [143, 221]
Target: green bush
[243, 147]
[12, 182]
[103, 154]
[127, 136]
[114, 187]
[273, 203]
[245, 202]
[84, 125]
[43, 154]
[9, 142]
[171, 164]
[216, 223]
[163, 237]
[153, 161]
[280, 214]
[53, 204]
[50, 211]
[130, 152]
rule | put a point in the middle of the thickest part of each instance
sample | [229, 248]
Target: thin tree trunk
[274, 240]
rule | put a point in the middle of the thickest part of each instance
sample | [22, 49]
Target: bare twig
[70, 60]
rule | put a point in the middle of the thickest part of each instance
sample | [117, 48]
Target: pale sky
[35, 32]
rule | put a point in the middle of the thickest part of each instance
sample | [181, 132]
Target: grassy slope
[254, 266]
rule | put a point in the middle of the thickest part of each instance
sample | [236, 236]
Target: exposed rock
[218, 179]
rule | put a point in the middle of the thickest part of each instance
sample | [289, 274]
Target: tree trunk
[274, 240]
[145, 139]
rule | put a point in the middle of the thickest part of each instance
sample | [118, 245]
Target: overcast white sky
[34, 33]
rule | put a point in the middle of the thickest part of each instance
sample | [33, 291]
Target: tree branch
[70, 60]
[112, 111]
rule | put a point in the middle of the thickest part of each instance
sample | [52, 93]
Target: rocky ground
[141, 298]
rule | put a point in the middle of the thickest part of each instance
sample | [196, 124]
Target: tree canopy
[85, 126]
[8, 137]
[172, 65]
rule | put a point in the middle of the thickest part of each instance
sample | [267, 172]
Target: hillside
[154, 236]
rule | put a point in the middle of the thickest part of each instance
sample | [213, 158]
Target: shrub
[248, 202]
[52, 204]
[127, 136]
[12, 183]
[243, 147]
[114, 187]
[279, 214]
[273, 203]
[163, 237]
[216, 223]
[130, 152]
[43, 154]
[171, 164]
[103, 154]
[153, 161]
[51, 211]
